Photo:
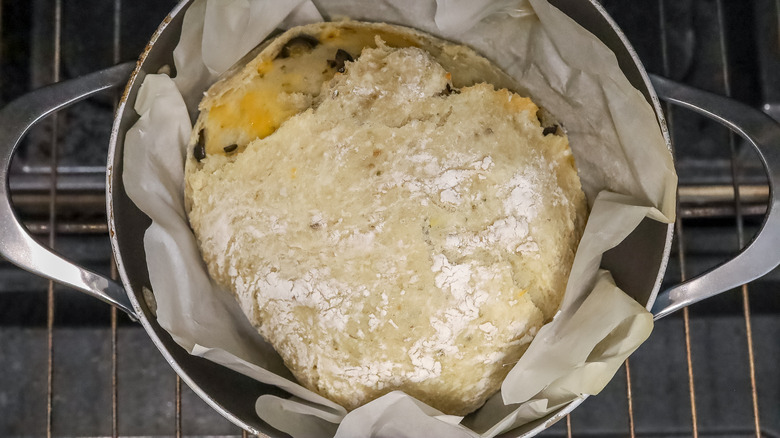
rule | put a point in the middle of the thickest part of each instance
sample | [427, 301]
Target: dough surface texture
[394, 232]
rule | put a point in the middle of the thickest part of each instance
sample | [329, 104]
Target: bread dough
[401, 227]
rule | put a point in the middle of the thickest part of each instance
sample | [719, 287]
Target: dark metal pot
[639, 273]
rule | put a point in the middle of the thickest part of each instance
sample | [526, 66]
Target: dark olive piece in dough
[303, 41]
[342, 56]
[449, 90]
[200, 148]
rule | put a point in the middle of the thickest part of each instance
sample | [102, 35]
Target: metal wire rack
[81, 369]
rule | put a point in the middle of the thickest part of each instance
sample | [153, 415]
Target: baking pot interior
[636, 264]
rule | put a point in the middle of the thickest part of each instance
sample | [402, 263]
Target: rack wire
[737, 201]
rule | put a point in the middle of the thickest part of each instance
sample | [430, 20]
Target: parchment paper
[625, 167]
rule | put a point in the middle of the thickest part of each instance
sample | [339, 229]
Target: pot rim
[142, 316]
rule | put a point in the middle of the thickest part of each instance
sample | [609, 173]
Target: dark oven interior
[74, 367]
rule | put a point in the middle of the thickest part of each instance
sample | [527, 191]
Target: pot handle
[762, 254]
[16, 244]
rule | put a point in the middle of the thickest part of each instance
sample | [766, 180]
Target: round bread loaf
[383, 225]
